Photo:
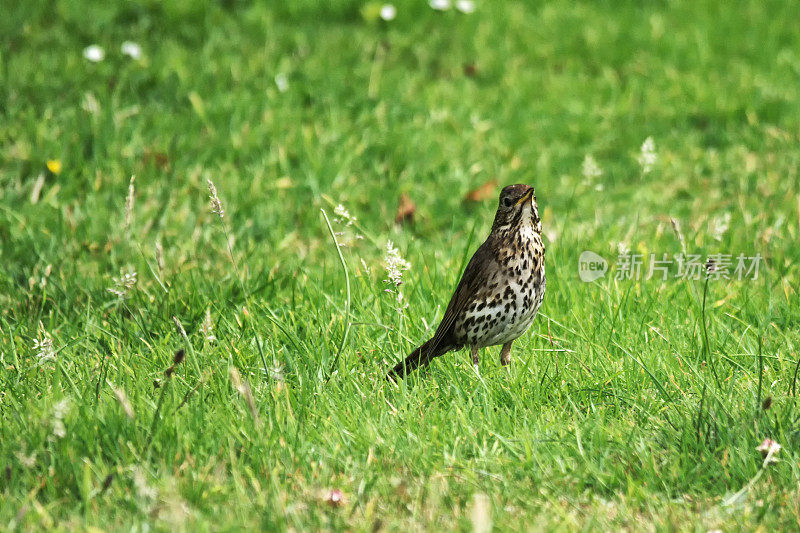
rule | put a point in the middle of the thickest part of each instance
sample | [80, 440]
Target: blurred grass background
[615, 412]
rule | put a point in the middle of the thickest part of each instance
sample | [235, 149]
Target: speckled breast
[507, 308]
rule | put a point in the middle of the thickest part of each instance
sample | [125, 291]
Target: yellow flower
[54, 166]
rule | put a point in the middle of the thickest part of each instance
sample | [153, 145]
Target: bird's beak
[526, 196]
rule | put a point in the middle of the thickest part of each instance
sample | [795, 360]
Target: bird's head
[517, 208]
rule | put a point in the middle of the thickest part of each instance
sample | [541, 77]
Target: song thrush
[501, 289]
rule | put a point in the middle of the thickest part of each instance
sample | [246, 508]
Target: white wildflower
[720, 225]
[43, 345]
[648, 156]
[216, 204]
[60, 410]
[44, 348]
[131, 49]
[388, 12]
[465, 6]
[623, 248]
[395, 264]
[343, 216]
[27, 461]
[94, 53]
[282, 82]
[276, 372]
[439, 5]
[769, 449]
[124, 283]
[366, 268]
[129, 203]
[207, 327]
[590, 169]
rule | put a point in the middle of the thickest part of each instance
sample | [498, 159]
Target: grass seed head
[207, 327]
[243, 388]
[129, 203]
[676, 226]
[216, 204]
[159, 256]
[648, 156]
[122, 398]
[179, 326]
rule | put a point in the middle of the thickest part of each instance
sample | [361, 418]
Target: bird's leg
[474, 351]
[505, 353]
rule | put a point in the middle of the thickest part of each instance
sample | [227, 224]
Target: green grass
[615, 412]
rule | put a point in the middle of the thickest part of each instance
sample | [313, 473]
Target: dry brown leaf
[158, 159]
[405, 209]
[484, 192]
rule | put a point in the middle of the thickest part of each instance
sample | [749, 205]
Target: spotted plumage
[501, 289]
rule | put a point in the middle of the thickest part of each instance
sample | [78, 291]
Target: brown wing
[473, 283]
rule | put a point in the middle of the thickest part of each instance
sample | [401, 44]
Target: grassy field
[631, 404]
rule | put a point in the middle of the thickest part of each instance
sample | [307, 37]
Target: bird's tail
[419, 357]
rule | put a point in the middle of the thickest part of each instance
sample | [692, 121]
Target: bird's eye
[507, 202]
